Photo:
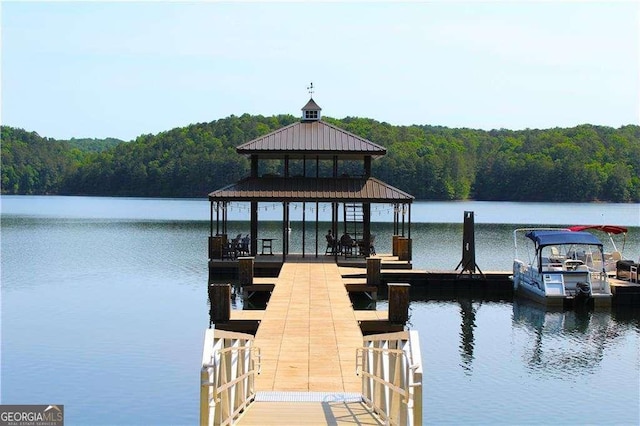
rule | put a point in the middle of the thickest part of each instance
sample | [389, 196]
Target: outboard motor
[583, 292]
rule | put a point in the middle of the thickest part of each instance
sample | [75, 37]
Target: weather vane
[310, 89]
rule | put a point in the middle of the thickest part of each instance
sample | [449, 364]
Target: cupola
[311, 111]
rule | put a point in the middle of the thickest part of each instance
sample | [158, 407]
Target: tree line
[580, 164]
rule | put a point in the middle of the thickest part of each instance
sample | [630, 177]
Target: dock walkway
[308, 345]
[309, 334]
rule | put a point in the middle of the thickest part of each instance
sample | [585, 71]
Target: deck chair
[331, 245]
[244, 245]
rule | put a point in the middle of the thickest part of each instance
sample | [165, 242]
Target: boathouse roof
[311, 189]
[311, 138]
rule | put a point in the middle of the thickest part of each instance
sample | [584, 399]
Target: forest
[579, 164]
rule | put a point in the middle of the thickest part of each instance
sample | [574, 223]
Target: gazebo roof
[315, 138]
[344, 189]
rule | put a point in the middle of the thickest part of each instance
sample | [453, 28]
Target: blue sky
[121, 69]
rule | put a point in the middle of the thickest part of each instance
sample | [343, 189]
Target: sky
[122, 69]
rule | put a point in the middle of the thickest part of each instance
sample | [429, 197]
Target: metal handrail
[368, 354]
[228, 379]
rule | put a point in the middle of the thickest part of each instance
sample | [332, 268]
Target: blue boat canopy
[552, 238]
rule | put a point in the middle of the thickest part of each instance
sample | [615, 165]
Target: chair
[331, 245]
[232, 249]
[346, 244]
[244, 245]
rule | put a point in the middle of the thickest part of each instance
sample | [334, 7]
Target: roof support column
[409, 222]
[304, 226]
[366, 228]
[211, 219]
[334, 226]
[285, 230]
[254, 228]
[254, 166]
[317, 219]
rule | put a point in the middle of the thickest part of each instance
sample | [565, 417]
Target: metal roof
[311, 189]
[315, 138]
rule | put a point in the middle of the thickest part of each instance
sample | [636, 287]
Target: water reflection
[564, 341]
[467, 326]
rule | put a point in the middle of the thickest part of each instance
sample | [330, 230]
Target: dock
[313, 359]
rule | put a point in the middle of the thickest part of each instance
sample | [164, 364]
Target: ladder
[354, 220]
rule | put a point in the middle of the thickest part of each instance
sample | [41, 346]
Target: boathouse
[310, 162]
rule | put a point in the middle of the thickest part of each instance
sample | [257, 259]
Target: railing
[391, 370]
[227, 379]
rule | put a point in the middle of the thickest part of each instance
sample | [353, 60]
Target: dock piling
[374, 266]
[219, 303]
[245, 271]
[398, 303]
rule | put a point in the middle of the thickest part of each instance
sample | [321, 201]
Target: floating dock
[311, 345]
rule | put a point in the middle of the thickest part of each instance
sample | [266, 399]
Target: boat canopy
[611, 229]
[552, 238]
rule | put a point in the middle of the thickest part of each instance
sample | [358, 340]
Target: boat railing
[520, 232]
[391, 370]
[230, 363]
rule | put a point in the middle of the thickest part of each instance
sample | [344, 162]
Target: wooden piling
[374, 265]
[219, 303]
[394, 245]
[404, 248]
[245, 271]
[398, 303]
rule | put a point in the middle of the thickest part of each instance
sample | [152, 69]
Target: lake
[104, 310]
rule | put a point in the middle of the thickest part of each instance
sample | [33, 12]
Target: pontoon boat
[557, 268]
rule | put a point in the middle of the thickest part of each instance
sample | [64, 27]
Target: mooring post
[373, 271]
[219, 303]
[468, 262]
[398, 303]
[245, 271]
[394, 245]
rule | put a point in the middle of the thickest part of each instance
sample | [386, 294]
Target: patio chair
[331, 245]
[244, 245]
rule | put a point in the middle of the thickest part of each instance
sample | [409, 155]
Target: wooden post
[394, 245]
[219, 303]
[373, 271]
[398, 303]
[245, 271]
[215, 247]
[404, 248]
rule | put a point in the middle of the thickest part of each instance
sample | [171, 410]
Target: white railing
[227, 379]
[391, 369]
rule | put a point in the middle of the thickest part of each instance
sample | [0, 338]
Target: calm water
[104, 310]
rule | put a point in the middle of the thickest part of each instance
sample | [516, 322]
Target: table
[267, 243]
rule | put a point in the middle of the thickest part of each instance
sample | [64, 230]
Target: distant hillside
[582, 163]
[93, 145]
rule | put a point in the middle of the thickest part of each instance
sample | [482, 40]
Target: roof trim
[311, 189]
